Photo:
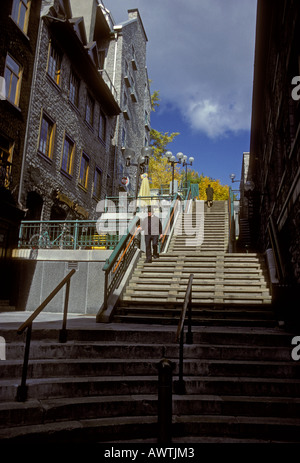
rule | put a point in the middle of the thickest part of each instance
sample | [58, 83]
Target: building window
[102, 126]
[97, 183]
[54, 64]
[89, 110]
[68, 156]
[74, 90]
[46, 137]
[12, 74]
[84, 171]
[6, 153]
[20, 13]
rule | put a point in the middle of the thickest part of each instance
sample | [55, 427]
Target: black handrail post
[179, 385]
[63, 331]
[22, 389]
[105, 290]
[189, 334]
[164, 412]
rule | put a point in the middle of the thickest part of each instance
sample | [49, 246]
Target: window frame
[16, 13]
[74, 95]
[50, 144]
[17, 91]
[102, 130]
[70, 156]
[89, 120]
[56, 58]
[98, 172]
[83, 181]
[6, 159]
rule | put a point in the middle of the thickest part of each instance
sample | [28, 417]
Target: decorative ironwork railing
[70, 234]
[119, 261]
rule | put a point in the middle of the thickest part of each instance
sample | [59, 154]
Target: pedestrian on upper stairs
[152, 227]
[209, 195]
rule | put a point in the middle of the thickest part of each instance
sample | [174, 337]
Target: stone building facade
[19, 26]
[72, 117]
[89, 102]
[132, 84]
[275, 133]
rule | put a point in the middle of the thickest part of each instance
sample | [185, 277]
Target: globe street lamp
[172, 160]
[186, 164]
[232, 177]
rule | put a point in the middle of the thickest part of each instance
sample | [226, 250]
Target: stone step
[211, 322]
[132, 385]
[238, 426]
[127, 385]
[34, 412]
[145, 427]
[229, 297]
[125, 350]
[142, 278]
[68, 368]
[82, 331]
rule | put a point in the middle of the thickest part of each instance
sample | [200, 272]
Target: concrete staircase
[101, 386]
[202, 230]
[227, 288]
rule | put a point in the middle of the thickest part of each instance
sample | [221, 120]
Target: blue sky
[200, 57]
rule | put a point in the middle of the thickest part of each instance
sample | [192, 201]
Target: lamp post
[172, 160]
[232, 177]
[186, 164]
[143, 162]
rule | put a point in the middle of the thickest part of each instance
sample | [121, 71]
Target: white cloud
[200, 58]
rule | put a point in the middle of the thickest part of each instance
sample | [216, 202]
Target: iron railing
[22, 389]
[168, 224]
[273, 235]
[179, 385]
[165, 372]
[70, 234]
[117, 264]
[109, 83]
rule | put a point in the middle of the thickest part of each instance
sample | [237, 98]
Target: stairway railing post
[22, 389]
[189, 334]
[164, 411]
[179, 385]
[63, 331]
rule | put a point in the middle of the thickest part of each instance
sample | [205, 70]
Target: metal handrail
[22, 389]
[114, 261]
[169, 223]
[179, 385]
[280, 269]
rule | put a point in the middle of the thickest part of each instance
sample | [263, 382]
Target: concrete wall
[37, 275]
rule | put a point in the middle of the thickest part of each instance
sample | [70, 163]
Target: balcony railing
[109, 83]
[107, 14]
[54, 234]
